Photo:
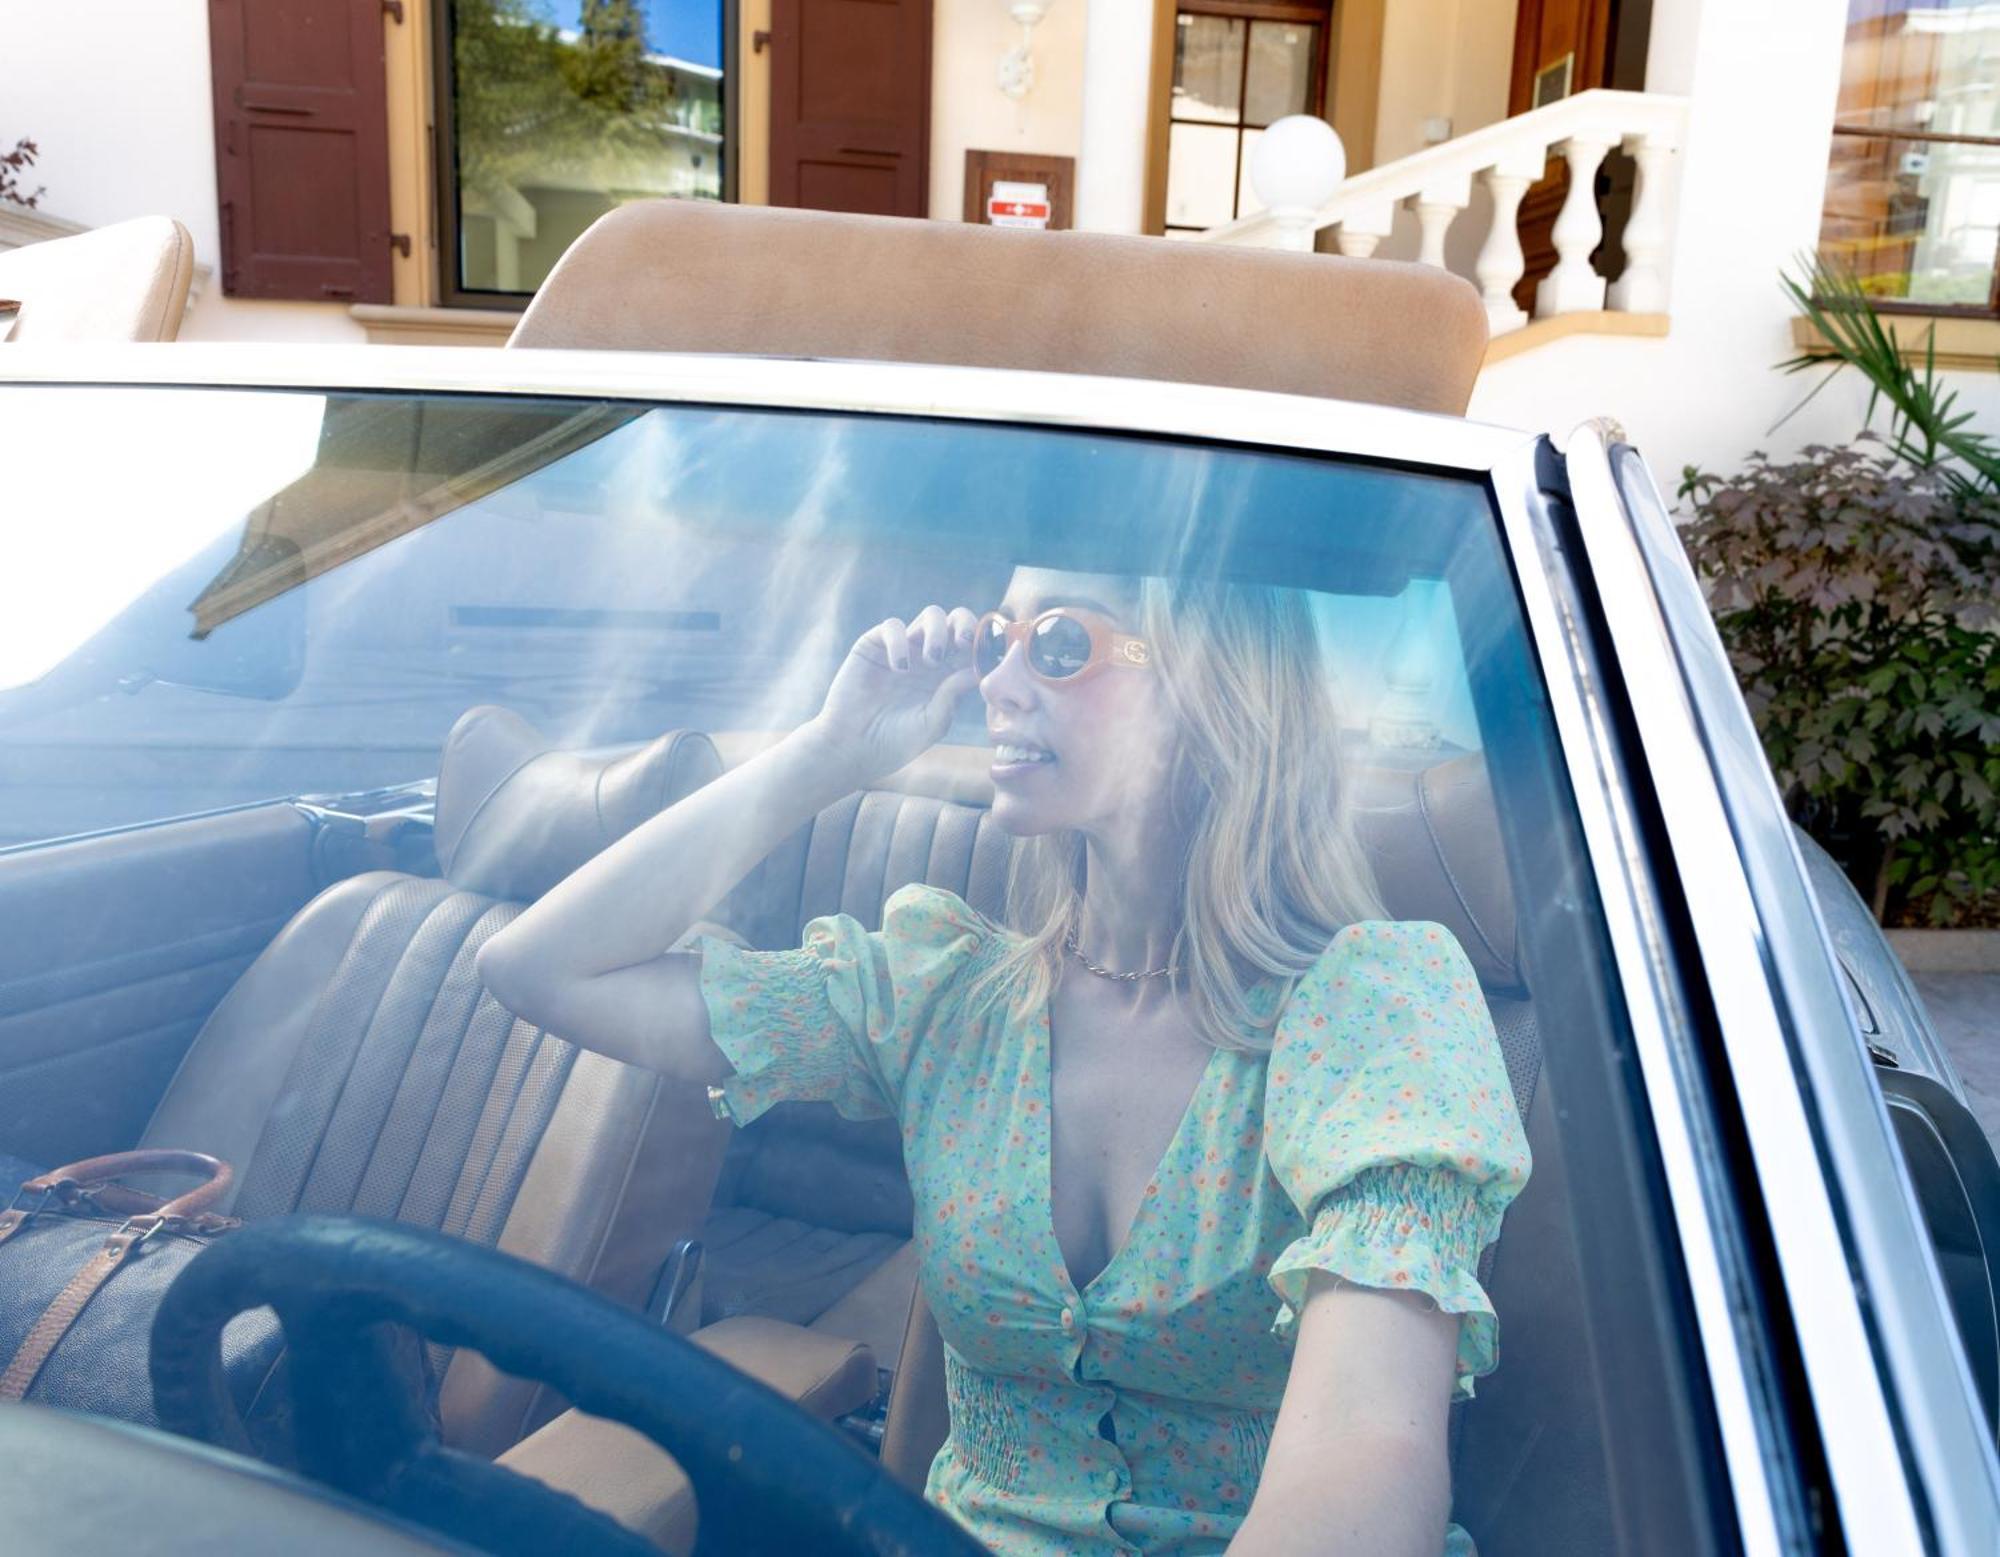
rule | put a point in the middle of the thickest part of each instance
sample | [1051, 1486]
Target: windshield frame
[1630, 868]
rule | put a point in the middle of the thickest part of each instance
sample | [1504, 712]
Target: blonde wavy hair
[1271, 869]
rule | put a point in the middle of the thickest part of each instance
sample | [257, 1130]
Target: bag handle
[93, 1171]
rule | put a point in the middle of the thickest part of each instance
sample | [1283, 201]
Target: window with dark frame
[1238, 66]
[552, 112]
[1913, 176]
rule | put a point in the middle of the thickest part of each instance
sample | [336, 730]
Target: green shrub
[1856, 596]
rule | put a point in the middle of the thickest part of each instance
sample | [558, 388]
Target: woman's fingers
[930, 635]
[939, 710]
[963, 621]
[895, 639]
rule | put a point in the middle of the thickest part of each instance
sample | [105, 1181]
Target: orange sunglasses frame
[1107, 648]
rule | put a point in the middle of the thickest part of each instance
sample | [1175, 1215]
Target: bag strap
[92, 1175]
[62, 1313]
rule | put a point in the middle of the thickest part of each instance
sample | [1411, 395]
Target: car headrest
[125, 282]
[1433, 836]
[700, 276]
[515, 816]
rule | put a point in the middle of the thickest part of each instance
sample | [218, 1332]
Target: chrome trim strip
[1877, 1511]
[1149, 406]
[1618, 859]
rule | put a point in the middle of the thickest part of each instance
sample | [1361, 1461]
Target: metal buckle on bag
[148, 1224]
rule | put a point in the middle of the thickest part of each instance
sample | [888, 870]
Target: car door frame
[1911, 1465]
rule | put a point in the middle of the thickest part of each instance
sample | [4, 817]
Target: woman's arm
[590, 961]
[1358, 1462]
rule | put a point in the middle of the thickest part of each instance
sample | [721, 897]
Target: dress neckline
[1044, 1072]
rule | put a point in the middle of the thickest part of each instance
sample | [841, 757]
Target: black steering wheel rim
[767, 1476]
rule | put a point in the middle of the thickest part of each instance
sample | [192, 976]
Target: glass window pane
[1208, 68]
[367, 567]
[1916, 220]
[1929, 68]
[559, 116]
[1201, 174]
[1246, 195]
[1281, 71]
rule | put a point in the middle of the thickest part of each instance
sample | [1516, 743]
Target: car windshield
[304, 695]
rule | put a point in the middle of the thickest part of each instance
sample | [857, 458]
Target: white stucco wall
[968, 109]
[1448, 59]
[1763, 78]
[116, 93]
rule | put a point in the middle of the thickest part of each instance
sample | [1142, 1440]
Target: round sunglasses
[1063, 645]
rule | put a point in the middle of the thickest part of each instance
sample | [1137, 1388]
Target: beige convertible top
[682, 275]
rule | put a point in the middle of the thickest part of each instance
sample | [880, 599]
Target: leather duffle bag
[84, 1262]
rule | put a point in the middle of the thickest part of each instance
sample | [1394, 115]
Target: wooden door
[1562, 47]
[851, 105]
[301, 148]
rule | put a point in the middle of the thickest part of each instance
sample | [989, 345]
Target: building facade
[1625, 180]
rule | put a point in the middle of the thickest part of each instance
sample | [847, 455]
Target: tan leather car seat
[126, 282]
[359, 1066]
[696, 276]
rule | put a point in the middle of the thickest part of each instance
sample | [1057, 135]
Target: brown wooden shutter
[851, 105]
[301, 148]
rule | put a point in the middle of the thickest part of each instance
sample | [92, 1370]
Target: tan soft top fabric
[675, 275]
[127, 282]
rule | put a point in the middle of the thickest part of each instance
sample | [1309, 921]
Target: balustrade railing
[1436, 185]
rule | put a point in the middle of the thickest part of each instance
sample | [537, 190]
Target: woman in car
[1203, 1149]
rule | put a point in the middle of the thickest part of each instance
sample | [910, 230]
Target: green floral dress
[1377, 1140]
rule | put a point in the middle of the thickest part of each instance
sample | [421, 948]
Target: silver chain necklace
[1069, 943]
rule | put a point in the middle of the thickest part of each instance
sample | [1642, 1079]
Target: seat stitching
[455, 900]
[361, 1047]
[471, 1188]
[448, 1066]
[364, 924]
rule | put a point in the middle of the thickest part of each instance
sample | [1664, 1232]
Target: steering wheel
[767, 1477]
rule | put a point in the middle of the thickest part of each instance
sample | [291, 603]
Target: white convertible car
[316, 665]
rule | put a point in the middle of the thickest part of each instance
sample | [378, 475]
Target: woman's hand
[892, 698]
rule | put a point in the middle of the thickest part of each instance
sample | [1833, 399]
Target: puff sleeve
[1390, 1122]
[836, 1020]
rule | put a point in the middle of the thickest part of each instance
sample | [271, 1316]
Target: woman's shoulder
[921, 915]
[1423, 947]
[1377, 961]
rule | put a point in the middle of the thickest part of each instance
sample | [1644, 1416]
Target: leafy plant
[11, 165]
[1854, 590]
[1926, 428]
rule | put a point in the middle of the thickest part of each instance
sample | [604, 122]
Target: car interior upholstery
[688, 275]
[359, 1067]
[125, 282]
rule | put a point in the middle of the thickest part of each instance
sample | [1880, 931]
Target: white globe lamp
[1295, 168]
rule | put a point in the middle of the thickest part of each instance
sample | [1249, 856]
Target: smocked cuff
[769, 1014]
[1402, 1229]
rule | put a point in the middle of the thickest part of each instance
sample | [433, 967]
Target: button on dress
[1376, 1140]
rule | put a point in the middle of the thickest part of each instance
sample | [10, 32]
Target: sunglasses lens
[1058, 647]
[989, 647]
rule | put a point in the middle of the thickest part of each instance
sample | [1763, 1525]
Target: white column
[1500, 261]
[1363, 227]
[1437, 204]
[1642, 289]
[1111, 155]
[1573, 287]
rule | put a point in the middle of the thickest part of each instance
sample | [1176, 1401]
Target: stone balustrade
[1437, 184]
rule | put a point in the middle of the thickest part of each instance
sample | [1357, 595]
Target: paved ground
[1966, 1010]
